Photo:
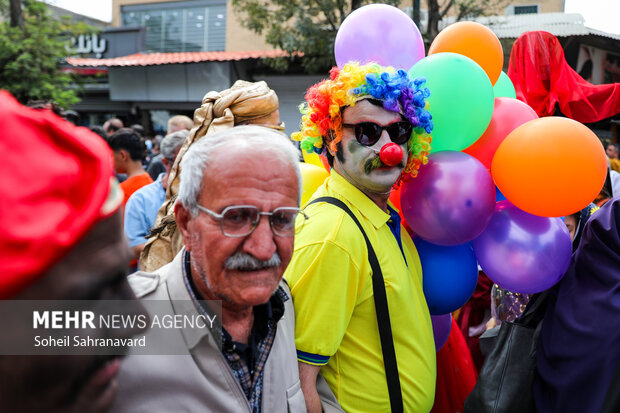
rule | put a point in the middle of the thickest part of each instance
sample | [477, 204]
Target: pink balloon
[451, 200]
[379, 33]
[508, 114]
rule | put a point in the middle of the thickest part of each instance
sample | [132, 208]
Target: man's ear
[124, 154]
[183, 218]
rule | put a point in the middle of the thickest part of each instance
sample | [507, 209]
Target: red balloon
[508, 114]
[395, 199]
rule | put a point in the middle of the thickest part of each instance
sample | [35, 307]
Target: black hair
[129, 140]
[138, 129]
[99, 131]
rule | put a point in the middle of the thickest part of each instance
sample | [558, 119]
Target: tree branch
[444, 11]
[327, 16]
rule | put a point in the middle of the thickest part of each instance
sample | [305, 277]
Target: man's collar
[358, 199]
[189, 302]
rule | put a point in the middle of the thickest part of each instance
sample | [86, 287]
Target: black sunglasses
[368, 133]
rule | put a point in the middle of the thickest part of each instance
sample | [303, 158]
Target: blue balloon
[498, 195]
[450, 275]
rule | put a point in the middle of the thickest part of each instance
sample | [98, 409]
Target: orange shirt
[131, 185]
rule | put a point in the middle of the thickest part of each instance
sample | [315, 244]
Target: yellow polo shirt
[336, 324]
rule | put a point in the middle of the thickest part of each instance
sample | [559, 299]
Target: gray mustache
[246, 262]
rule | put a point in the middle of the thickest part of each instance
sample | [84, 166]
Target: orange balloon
[550, 167]
[475, 41]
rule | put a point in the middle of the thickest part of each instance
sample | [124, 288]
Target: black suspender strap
[383, 314]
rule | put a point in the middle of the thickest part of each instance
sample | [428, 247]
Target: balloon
[442, 324]
[475, 41]
[451, 200]
[449, 275]
[550, 167]
[311, 158]
[498, 195]
[395, 199]
[379, 33]
[312, 177]
[523, 253]
[507, 115]
[461, 100]
[504, 87]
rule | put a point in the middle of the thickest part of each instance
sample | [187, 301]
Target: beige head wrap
[243, 103]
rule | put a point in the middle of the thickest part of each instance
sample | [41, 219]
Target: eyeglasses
[242, 220]
[369, 133]
[279, 127]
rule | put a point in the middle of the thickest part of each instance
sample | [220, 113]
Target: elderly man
[179, 122]
[238, 221]
[61, 240]
[112, 125]
[361, 317]
[245, 103]
[142, 206]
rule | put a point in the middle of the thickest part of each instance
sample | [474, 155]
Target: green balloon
[504, 88]
[461, 100]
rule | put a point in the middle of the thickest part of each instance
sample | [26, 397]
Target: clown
[372, 124]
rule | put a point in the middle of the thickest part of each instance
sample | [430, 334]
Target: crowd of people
[322, 306]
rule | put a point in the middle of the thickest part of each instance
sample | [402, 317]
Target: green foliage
[31, 55]
[299, 26]
[475, 8]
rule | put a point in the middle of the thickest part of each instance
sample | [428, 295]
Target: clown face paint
[360, 164]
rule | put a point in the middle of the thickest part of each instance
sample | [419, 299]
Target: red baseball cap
[56, 182]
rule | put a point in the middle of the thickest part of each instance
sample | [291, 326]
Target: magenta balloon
[379, 33]
[442, 325]
[451, 200]
[521, 252]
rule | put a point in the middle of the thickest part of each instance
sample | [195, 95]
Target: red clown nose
[391, 154]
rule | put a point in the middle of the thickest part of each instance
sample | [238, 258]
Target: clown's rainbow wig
[322, 116]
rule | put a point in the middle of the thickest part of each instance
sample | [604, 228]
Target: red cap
[57, 181]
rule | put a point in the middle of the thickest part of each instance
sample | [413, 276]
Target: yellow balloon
[311, 158]
[312, 177]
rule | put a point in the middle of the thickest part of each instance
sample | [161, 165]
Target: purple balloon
[451, 200]
[442, 324]
[521, 252]
[379, 33]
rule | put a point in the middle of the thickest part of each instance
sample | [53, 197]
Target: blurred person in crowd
[99, 131]
[612, 154]
[142, 206]
[61, 240]
[355, 116]
[112, 125]
[238, 221]
[245, 103]
[175, 124]
[179, 122]
[129, 150]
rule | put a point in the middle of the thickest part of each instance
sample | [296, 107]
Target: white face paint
[356, 156]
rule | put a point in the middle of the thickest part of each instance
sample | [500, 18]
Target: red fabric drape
[542, 78]
[456, 374]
